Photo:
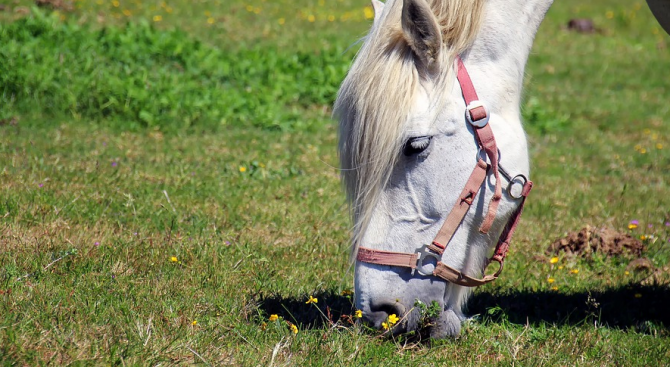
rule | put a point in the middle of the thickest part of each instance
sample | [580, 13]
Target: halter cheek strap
[478, 117]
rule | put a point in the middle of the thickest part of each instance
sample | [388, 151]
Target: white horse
[407, 151]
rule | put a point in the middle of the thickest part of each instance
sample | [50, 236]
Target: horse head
[407, 150]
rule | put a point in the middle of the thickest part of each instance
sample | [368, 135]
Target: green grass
[93, 207]
[138, 76]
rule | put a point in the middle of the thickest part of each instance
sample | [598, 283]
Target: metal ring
[516, 181]
[501, 264]
[481, 154]
[423, 253]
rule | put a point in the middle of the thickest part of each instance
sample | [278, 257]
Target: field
[168, 182]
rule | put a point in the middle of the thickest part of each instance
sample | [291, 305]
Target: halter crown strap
[478, 117]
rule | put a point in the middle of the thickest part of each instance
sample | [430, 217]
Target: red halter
[478, 117]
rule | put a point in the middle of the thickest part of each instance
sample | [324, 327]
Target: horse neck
[498, 56]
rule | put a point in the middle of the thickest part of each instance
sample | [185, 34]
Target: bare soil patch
[590, 240]
[63, 5]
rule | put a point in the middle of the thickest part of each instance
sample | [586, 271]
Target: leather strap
[391, 258]
[485, 138]
[506, 236]
[409, 260]
[461, 207]
[452, 275]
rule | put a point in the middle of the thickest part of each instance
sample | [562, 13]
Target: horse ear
[421, 30]
[378, 7]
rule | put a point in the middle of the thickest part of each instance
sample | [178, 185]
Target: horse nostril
[389, 307]
[380, 311]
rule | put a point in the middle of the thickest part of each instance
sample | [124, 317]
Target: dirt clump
[592, 240]
[55, 4]
[582, 25]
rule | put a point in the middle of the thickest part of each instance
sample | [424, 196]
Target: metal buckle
[423, 253]
[478, 123]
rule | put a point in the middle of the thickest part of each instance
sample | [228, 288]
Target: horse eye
[416, 145]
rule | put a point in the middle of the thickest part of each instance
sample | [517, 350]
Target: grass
[138, 76]
[94, 208]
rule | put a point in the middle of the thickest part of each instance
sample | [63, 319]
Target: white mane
[375, 99]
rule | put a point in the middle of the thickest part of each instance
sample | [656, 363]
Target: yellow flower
[626, 273]
[312, 300]
[554, 288]
[638, 295]
[311, 18]
[273, 317]
[127, 12]
[632, 226]
[551, 280]
[243, 169]
[195, 322]
[574, 271]
[609, 14]
[560, 267]
[347, 292]
[368, 12]
[393, 319]
[553, 260]
[643, 237]
[158, 18]
[358, 314]
[173, 259]
[281, 21]
[385, 326]
[116, 3]
[293, 328]
[210, 20]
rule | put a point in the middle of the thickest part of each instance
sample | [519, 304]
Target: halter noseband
[477, 115]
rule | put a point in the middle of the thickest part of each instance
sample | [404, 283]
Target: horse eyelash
[416, 145]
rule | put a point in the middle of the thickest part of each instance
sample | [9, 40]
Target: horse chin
[447, 325]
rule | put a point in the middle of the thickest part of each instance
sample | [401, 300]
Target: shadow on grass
[641, 308]
[331, 307]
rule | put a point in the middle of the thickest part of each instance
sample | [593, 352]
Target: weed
[427, 313]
